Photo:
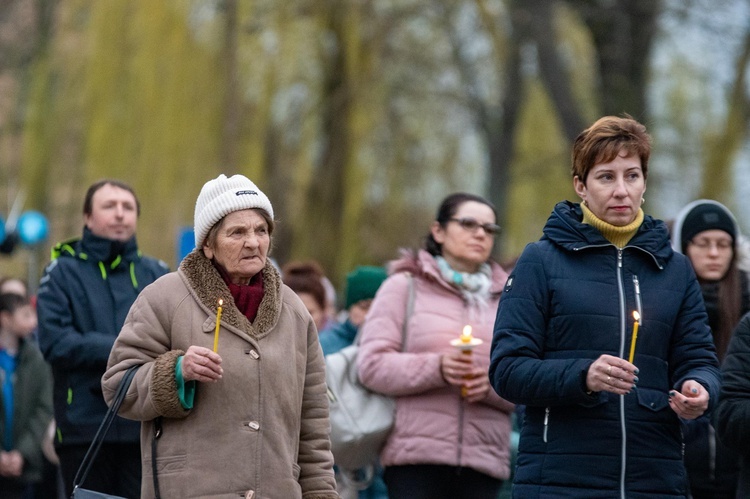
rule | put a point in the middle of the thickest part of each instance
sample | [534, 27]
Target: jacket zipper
[623, 452]
[546, 423]
[459, 450]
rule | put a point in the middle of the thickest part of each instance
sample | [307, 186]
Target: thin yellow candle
[218, 321]
[637, 318]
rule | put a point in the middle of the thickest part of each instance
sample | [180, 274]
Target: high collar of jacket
[208, 287]
[95, 248]
[565, 228]
[422, 264]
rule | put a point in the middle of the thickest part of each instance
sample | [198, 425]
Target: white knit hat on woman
[222, 196]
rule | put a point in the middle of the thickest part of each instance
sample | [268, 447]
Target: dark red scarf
[248, 296]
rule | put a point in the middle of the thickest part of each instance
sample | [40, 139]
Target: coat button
[253, 425]
[652, 404]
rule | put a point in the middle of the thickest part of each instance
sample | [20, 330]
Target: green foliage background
[356, 118]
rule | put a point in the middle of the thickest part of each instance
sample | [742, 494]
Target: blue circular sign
[32, 227]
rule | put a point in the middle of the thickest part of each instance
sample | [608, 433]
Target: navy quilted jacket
[569, 300]
[84, 297]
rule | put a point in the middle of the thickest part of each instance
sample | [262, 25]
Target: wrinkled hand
[611, 374]
[11, 463]
[201, 364]
[459, 370]
[692, 402]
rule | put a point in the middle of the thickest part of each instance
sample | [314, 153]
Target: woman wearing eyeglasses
[451, 434]
[707, 232]
[603, 411]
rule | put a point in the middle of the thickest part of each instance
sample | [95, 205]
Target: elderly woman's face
[241, 245]
[613, 191]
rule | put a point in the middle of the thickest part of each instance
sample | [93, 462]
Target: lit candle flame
[634, 337]
[466, 334]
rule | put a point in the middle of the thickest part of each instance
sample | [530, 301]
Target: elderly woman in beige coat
[251, 418]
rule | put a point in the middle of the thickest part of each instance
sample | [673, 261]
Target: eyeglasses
[473, 226]
[707, 244]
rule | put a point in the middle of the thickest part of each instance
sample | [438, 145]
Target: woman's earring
[643, 200]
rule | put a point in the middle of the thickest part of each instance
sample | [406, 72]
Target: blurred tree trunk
[498, 125]
[25, 27]
[325, 195]
[722, 148]
[623, 34]
[233, 105]
[336, 197]
[538, 17]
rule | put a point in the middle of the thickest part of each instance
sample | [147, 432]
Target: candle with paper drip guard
[218, 321]
[634, 337]
[466, 343]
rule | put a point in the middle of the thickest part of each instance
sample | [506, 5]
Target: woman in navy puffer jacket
[597, 424]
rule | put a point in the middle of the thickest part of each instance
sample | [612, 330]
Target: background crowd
[547, 343]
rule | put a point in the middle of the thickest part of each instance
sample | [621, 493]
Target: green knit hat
[362, 283]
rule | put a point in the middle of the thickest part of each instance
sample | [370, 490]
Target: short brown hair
[306, 277]
[88, 200]
[605, 139]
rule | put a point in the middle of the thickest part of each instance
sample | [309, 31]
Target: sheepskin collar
[207, 286]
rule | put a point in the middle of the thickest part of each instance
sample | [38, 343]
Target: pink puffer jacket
[434, 424]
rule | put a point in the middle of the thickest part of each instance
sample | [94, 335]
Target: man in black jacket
[83, 299]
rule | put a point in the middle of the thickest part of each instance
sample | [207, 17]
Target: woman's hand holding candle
[201, 364]
[454, 366]
[611, 374]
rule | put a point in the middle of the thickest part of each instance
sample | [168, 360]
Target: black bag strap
[88, 459]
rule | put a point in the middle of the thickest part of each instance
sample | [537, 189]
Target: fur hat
[362, 283]
[700, 215]
[222, 196]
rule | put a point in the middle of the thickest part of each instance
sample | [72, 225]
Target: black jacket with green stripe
[84, 296]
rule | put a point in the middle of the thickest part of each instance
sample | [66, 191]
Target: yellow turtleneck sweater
[619, 236]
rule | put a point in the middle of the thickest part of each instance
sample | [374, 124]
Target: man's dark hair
[88, 200]
[10, 302]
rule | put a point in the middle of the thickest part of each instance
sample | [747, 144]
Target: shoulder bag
[361, 420]
[88, 459]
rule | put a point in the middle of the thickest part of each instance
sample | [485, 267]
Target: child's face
[21, 322]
